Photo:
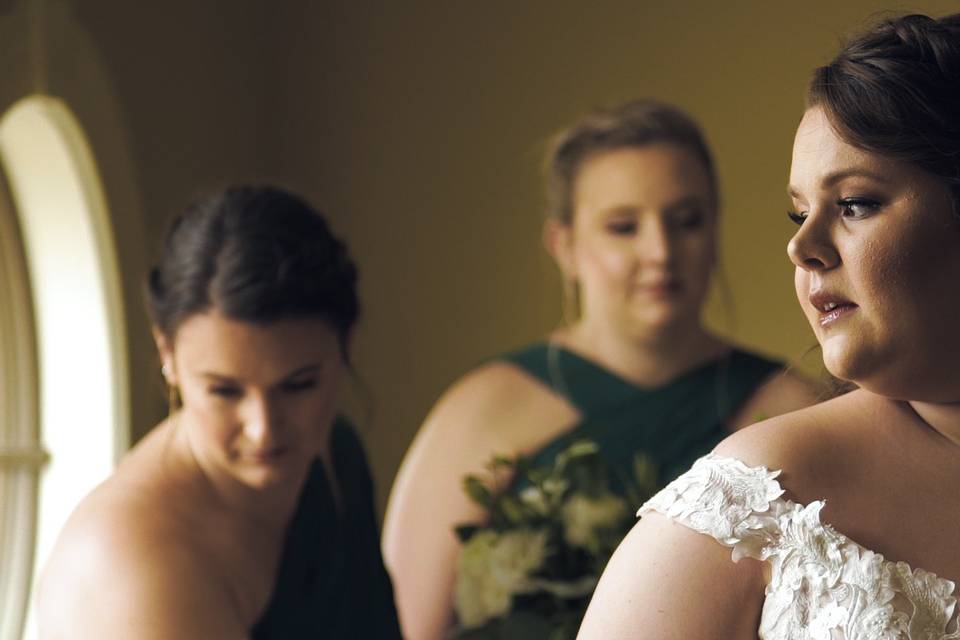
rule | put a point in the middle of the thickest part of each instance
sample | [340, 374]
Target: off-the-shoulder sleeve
[727, 500]
[822, 584]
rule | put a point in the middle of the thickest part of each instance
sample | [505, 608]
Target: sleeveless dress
[823, 585]
[672, 425]
[331, 582]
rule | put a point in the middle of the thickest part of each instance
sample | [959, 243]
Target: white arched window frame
[21, 456]
[81, 395]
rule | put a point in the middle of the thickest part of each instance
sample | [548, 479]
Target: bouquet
[530, 569]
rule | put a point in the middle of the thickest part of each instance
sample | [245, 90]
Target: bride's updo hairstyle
[255, 254]
[895, 91]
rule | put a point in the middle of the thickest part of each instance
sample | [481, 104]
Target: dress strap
[583, 383]
[723, 498]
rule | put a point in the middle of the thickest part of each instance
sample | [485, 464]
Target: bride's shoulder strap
[723, 498]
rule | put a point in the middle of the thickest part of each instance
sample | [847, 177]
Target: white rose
[492, 568]
[534, 498]
[584, 516]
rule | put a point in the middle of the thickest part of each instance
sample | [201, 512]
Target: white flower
[492, 568]
[542, 498]
[584, 517]
[534, 498]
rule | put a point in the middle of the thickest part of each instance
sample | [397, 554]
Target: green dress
[331, 582]
[672, 425]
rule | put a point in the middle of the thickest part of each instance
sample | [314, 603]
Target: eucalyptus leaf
[512, 509]
[477, 491]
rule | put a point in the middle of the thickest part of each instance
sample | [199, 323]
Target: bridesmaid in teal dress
[248, 512]
[632, 225]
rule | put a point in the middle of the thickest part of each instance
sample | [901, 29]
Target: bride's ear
[558, 240]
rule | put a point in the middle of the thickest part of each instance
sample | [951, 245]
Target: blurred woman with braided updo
[248, 513]
[632, 225]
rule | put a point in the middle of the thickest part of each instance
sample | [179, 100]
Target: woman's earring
[173, 395]
[571, 301]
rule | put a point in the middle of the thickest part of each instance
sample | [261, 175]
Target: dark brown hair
[895, 91]
[256, 254]
[634, 124]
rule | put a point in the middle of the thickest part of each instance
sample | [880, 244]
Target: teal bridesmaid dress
[671, 425]
[331, 583]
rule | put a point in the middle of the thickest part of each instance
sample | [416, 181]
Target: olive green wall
[418, 127]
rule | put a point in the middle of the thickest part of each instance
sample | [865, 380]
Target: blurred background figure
[632, 225]
[249, 511]
[839, 520]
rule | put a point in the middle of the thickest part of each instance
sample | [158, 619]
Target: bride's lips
[831, 306]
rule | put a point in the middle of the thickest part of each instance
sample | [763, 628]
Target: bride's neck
[944, 417]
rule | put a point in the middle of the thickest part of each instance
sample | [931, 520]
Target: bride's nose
[812, 248]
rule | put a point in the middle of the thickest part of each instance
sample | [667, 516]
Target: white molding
[76, 293]
[21, 457]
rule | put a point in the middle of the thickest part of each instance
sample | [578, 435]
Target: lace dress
[823, 585]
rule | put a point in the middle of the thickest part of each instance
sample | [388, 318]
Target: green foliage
[477, 491]
[574, 505]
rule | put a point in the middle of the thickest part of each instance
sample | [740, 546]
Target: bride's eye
[797, 217]
[857, 208]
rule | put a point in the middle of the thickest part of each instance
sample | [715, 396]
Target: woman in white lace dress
[839, 521]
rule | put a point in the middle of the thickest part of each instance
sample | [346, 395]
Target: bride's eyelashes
[797, 218]
[850, 208]
[857, 208]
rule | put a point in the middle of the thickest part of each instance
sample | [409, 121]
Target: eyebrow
[833, 178]
[685, 202]
[309, 368]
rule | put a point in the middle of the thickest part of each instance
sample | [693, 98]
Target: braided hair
[633, 124]
[256, 254]
[895, 90]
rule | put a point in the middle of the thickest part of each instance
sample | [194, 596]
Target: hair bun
[893, 90]
[256, 254]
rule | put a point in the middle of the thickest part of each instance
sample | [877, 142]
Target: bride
[852, 533]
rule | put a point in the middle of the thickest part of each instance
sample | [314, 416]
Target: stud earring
[173, 394]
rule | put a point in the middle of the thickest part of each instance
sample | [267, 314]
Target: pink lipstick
[832, 307]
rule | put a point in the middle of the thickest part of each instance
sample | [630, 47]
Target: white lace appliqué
[823, 585]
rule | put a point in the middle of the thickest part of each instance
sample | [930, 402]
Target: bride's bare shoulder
[811, 446]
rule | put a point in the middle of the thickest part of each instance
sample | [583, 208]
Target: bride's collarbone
[899, 501]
